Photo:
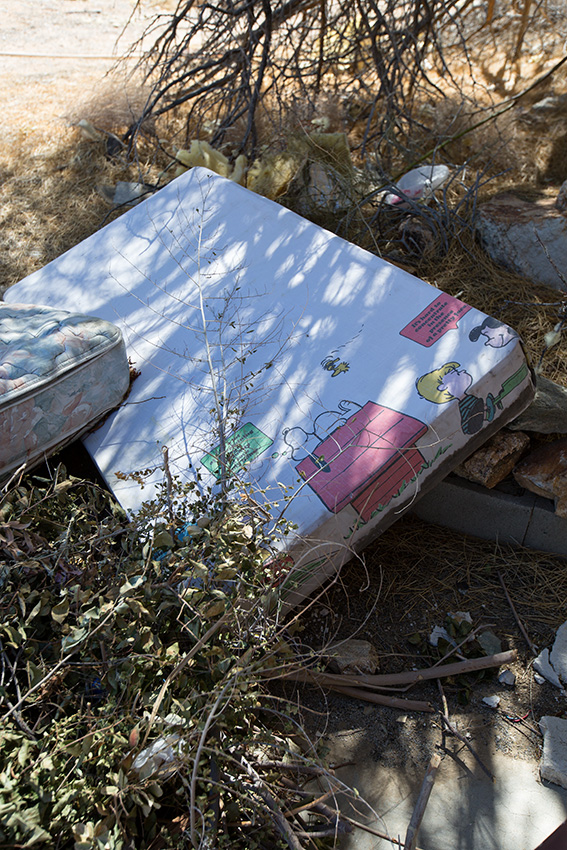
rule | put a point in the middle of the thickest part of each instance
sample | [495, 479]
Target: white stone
[130, 193]
[492, 701]
[553, 765]
[542, 665]
[558, 654]
[506, 677]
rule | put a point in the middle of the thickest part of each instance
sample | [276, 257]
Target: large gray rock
[511, 229]
[553, 765]
[558, 654]
[547, 414]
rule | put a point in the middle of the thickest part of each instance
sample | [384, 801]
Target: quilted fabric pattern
[59, 374]
[38, 344]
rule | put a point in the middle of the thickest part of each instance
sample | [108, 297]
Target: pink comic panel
[435, 320]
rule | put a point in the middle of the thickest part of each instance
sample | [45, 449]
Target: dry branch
[408, 677]
[422, 800]
[531, 645]
[381, 699]
[453, 730]
[221, 62]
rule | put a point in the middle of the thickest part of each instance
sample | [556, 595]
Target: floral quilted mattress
[54, 379]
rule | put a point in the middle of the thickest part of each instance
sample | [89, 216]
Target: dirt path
[55, 57]
[53, 53]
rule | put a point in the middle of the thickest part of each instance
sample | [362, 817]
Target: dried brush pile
[133, 671]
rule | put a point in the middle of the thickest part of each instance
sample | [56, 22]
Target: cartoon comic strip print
[450, 382]
[363, 459]
[440, 316]
[496, 333]
[241, 448]
[443, 314]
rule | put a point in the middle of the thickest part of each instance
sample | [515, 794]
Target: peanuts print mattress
[337, 386]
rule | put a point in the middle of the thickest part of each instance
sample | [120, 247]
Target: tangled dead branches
[228, 63]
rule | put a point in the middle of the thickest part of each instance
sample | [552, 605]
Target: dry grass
[50, 173]
[417, 572]
[467, 272]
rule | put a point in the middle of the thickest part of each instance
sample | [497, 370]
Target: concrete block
[519, 520]
[546, 532]
[553, 765]
[471, 509]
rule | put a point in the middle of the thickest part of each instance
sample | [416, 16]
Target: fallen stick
[382, 699]
[532, 647]
[280, 821]
[422, 800]
[408, 677]
[464, 741]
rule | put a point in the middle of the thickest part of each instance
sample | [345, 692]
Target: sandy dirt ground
[53, 53]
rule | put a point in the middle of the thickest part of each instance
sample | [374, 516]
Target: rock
[495, 460]
[542, 665]
[492, 701]
[539, 680]
[553, 765]
[124, 193]
[353, 656]
[561, 200]
[506, 677]
[439, 633]
[130, 193]
[511, 229]
[547, 414]
[544, 472]
[490, 643]
[558, 654]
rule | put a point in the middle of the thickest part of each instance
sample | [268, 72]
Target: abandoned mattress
[348, 386]
[59, 373]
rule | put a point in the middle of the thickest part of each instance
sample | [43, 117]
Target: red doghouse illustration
[365, 461]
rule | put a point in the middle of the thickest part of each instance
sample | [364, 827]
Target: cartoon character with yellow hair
[450, 383]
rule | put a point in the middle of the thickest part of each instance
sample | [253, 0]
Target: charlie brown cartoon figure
[450, 383]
